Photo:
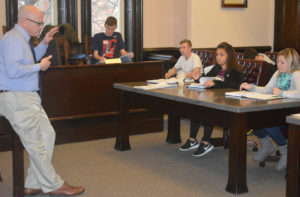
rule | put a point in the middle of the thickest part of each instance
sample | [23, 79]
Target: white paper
[154, 86]
[196, 86]
[172, 80]
[205, 79]
[253, 95]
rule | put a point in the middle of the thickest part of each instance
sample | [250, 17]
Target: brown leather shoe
[68, 190]
[29, 191]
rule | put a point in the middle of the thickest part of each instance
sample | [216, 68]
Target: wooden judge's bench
[81, 104]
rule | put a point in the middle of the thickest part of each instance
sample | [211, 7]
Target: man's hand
[45, 63]
[49, 35]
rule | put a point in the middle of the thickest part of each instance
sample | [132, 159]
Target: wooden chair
[239, 55]
[88, 47]
[63, 50]
[5, 29]
[207, 57]
[76, 57]
[35, 41]
[272, 55]
[66, 52]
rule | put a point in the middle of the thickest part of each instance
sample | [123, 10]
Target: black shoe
[203, 149]
[189, 145]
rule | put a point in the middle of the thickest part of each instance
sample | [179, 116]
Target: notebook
[252, 95]
[172, 80]
[112, 61]
[196, 86]
[154, 86]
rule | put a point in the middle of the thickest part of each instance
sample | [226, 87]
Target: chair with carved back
[272, 55]
[254, 71]
[5, 29]
[239, 55]
[88, 47]
[67, 52]
[207, 57]
[63, 50]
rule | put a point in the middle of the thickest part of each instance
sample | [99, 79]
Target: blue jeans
[126, 59]
[274, 132]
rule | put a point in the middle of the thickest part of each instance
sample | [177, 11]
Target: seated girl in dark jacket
[230, 71]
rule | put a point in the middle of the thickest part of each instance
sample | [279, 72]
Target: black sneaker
[189, 145]
[203, 149]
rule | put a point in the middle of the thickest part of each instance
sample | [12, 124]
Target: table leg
[122, 133]
[293, 165]
[173, 136]
[18, 167]
[237, 158]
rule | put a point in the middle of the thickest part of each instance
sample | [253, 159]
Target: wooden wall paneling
[81, 102]
[287, 24]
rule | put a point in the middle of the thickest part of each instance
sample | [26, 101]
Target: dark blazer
[232, 79]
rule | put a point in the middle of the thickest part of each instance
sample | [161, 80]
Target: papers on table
[189, 80]
[252, 95]
[172, 80]
[196, 86]
[205, 79]
[113, 61]
[154, 86]
[162, 83]
[202, 81]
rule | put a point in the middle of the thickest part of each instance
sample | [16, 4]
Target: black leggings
[194, 127]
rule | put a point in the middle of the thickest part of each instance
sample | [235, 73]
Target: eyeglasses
[38, 23]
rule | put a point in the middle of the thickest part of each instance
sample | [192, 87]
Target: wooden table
[207, 106]
[293, 165]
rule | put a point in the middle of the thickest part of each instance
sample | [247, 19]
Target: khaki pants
[29, 120]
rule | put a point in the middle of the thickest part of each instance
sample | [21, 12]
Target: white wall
[207, 24]
[166, 22]
[79, 20]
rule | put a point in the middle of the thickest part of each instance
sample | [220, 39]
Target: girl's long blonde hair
[292, 58]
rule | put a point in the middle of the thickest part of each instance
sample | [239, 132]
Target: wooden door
[287, 24]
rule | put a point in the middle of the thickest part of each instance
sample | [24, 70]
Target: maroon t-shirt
[221, 74]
